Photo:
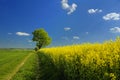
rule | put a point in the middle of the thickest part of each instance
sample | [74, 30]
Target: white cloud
[92, 11]
[76, 37]
[115, 30]
[69, 8]
[112, 16]
[22, 34]
[67, 28]
[10, 33]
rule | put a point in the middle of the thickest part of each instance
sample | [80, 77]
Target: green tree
[41, 37]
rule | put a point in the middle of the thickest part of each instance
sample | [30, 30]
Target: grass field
[29, 70]
[10, 61]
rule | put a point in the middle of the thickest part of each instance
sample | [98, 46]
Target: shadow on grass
[48, 70]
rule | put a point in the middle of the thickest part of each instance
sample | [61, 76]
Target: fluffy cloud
[92, 11]
[22, 34]
[67, 28]
[69, 8]
[115, 30]
[112, 16]
[76, 37]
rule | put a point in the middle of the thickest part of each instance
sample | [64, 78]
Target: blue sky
[66, 21]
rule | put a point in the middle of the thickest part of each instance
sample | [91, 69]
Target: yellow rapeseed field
[98, 61]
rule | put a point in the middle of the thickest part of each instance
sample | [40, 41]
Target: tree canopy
[41, 37]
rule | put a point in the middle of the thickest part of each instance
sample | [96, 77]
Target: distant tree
[41, 37]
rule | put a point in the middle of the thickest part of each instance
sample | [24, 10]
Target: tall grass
[81, 62]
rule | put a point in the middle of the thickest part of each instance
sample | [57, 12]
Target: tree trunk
[40, 46]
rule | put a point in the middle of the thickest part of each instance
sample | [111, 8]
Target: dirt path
[38, 68]
[18, 67]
